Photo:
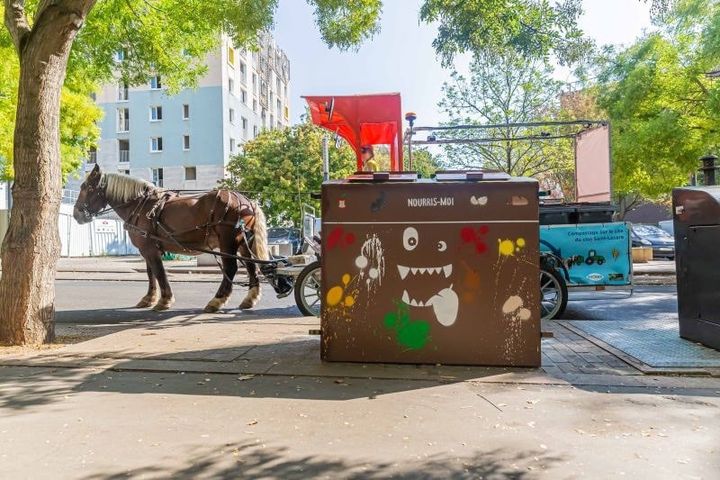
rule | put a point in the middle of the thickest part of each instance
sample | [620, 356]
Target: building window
[122, 92]
[255, 131]
[155, 82]
[254, 105]
[231, 85]
[92, 155]
[277, 84]
[120, 55]
[155, 113]
[123, 151]
[254, 82]
[244, 127]
[190, 173]
[157, 177]
[231, 56]
[231, 115]
[243, 96]
[123, 120]
[243, 72]
[186, 111]
[286, 113]
[272, 121]
[125, 172]
[279, 108]
[232, 145]
[186, 142]
[156, 144]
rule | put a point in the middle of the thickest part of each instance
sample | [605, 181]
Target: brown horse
[160, 221]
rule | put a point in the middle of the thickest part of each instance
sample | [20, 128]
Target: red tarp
[362, 120]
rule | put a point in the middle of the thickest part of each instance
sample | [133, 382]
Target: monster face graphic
[426, 282]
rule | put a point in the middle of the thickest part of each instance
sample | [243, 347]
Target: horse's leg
[153, 294]
[253, 295]
[230, 268]
[166, 295]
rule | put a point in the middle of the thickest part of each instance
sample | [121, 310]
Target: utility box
[441, 271]
[696, 215]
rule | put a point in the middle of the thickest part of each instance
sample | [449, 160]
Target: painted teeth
[403, 273]
[403, 270]
[406, 298]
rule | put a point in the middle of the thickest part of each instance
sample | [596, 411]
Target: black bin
[696, 218]
[572, 213]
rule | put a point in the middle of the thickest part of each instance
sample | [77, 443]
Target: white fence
[102, 236]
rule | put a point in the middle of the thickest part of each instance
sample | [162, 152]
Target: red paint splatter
[467, 235]
[334, 237]
[349, 239]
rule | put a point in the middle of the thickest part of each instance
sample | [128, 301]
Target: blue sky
[401, 58]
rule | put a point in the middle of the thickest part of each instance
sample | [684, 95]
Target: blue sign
[594, 254]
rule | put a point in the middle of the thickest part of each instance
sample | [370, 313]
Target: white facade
[185, 141]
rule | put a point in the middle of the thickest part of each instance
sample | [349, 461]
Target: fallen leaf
[254, 422]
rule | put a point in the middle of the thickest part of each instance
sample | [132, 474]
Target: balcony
[124, 125]
[124, 157]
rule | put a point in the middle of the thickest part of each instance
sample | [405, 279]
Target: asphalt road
[107, 302]
[112, 301]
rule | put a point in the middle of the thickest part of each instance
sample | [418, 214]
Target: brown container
[431, 272]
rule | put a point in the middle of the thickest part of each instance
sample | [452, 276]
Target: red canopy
[362, 120]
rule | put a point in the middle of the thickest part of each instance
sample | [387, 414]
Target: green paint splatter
[412, 334]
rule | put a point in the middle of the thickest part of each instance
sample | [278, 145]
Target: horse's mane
[121, 188]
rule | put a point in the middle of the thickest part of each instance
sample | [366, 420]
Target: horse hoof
[162, 305]
[144, 304]
[246, 305]
[210, 309]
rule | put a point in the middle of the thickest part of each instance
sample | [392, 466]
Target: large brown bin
[431, 271]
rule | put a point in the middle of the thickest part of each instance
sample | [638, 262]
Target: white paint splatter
[361, 262]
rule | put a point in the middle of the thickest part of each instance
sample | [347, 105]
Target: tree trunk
[32, 243]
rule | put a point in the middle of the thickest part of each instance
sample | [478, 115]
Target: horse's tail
[260, 243]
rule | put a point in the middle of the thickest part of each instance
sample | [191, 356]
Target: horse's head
[92, 197]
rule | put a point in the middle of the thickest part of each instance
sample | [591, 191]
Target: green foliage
[533, 28]
[347, 23]
[78, 115]
[280, 168]
[424, 162]
[663, 108]
[503, 88]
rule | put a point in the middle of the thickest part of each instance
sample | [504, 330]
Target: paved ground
[182, 394]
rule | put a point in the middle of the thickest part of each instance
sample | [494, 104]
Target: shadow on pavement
[247, 460]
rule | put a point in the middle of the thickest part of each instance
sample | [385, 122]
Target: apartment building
[185, 141]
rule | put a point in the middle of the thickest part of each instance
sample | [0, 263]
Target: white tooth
[437, 270]
[413, 302]
[445, 305]
[430, 302]
[403, 271]
[423, 271]
[406, 297]
[414, 270]
[420, 304]
[448, 270]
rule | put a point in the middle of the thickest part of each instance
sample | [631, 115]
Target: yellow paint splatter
[346, 279]
[520, 242]
[349, 301]
[507, 247]
[334, 296]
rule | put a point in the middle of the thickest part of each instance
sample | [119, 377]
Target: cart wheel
[307, 290]
[553, 294]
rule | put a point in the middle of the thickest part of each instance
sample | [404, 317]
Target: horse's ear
[94, 176]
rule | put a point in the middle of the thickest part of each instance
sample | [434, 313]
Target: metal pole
[326, 158]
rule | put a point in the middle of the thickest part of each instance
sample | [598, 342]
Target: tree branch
[16, 22]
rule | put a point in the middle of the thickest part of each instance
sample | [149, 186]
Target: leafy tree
[663, 107]
[424, 162]
[502, 89]
[76, 39]
[283, 167]
[78, 116]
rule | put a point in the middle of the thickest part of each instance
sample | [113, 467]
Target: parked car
[288, 240]
[667, 225]
[662, 243]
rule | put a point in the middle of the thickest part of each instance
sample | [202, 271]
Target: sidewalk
[242, 396]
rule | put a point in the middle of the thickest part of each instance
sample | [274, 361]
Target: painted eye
[442, 246]
[410, 238]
